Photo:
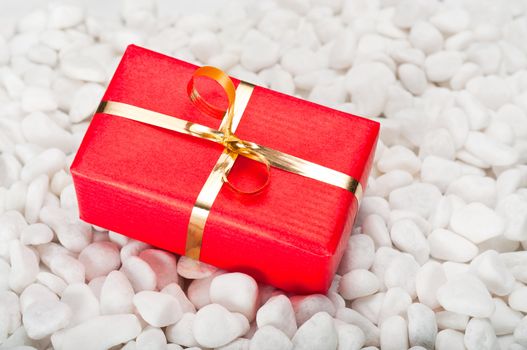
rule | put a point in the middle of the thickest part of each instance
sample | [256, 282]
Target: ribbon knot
[226, 136]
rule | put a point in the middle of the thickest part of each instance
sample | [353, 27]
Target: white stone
[132, 248]
[422, 327]
[366, 82]
[193, 269]
[516, 262]
[258, 51]
[396, 301]
[466, 72]
[398, 158]
[139, 273]
[419, 198]
[215, 326]
[426, 37]
[343, 50]
[413, 78]
[520, 333]
[43, 318]
[204, 44]
[492, 91]
[350, 337]
[401, 272]
[476, 222]
[156, 308]
[513, 208]
[489, 150]
[316, 333]
[306, 306]
[504, 319]
[371, 332]
[102, 332]
[151, 339]
[38, 99]
[36, 234]
[72, 233]
[407, 236]
[175, 290]
[442, 65]
[277, 312]
[164, 265]
[485, 55]
[116, 294]
[270, 338]
[491, 270]
[68, 268]
[451, 320]
[99, 259]
[9, 304]
[394, 333]
[24, 266]
[480, 335]
[85, 102]
[48, 162]
[451, 21]
[359, 254]
[42, 54]
[35, 293]
[181, 332]
[439, 171]
[237, 292]
[375, 227]
[299, 60]
[369, 306]
[82, 302]
[65, 16]
[474, 188]
[449, 339]
[518, 299]
[446, 245]
[430, 277]
[467, 295]
[358, 283]
[78, 67]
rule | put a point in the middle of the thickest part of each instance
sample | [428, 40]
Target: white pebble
[401, 272]
[439, 171]
[395, 302]
[158, 309]
[278, 312]
[358, 283]
[413, 78]
[513, 208]
[422, 327]
[46, 317]
[99, 259]
[491, 270]
[151, 339]
[204, 45]
[430, 277]
[476, 222]
[139, 273]
[258, 51]
[47, 162]
[394, 333]
[237, 292]
[72, 233]
[85, 102]
[504, 319]
[270, 338]
[175, 290]
[350, 337]
[84, 68]
[489, 150]
[306, 306]
[442, 65]
[343, 50]
[375, 227]
[82, 302]
[474, 188]
[193, 269]
[451, 320]
[359, 254]
[446, 245]
[164, 265]
[24, 266]
[215, 326]
[398, 158]
[53, 282]
[36, 234]
[467, 295]
[116, 294]
[419, 197]
[371, 332]
[38, 99]
[407, 236]
[317, 333]
[102, 332]
[449, 339]
[65, 16]
[181, 332]
[35, 293]
[518, 299]
[479, 335]
[426, 37]
[68, 268]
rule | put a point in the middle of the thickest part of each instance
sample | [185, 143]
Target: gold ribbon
[238, 99]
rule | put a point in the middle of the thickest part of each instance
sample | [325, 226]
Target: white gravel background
[437, 258]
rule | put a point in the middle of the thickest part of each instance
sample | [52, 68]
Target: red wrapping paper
[142, 181]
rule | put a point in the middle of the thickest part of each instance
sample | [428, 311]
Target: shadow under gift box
[142, 181]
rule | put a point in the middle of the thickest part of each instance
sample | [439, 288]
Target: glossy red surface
[142, 181]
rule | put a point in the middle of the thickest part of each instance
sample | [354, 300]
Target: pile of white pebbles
[437, 257]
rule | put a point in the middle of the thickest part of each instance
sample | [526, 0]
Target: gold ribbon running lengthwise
[234, 146]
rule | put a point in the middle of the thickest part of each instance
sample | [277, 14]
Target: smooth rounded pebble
[278, 312]
[467, 295]
[237, 292]
[358, 283]
[43, 318]
[158, 309]
[270, 338]
[476, 222]
[447, 245]
[99, 259]
[316, 333]
[215, 326]
[139, 273]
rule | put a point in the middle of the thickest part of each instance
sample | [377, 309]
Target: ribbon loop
[227, 138]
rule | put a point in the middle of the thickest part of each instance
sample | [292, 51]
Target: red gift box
[142, 181]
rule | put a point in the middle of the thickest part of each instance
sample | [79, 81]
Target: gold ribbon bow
[238, 99]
